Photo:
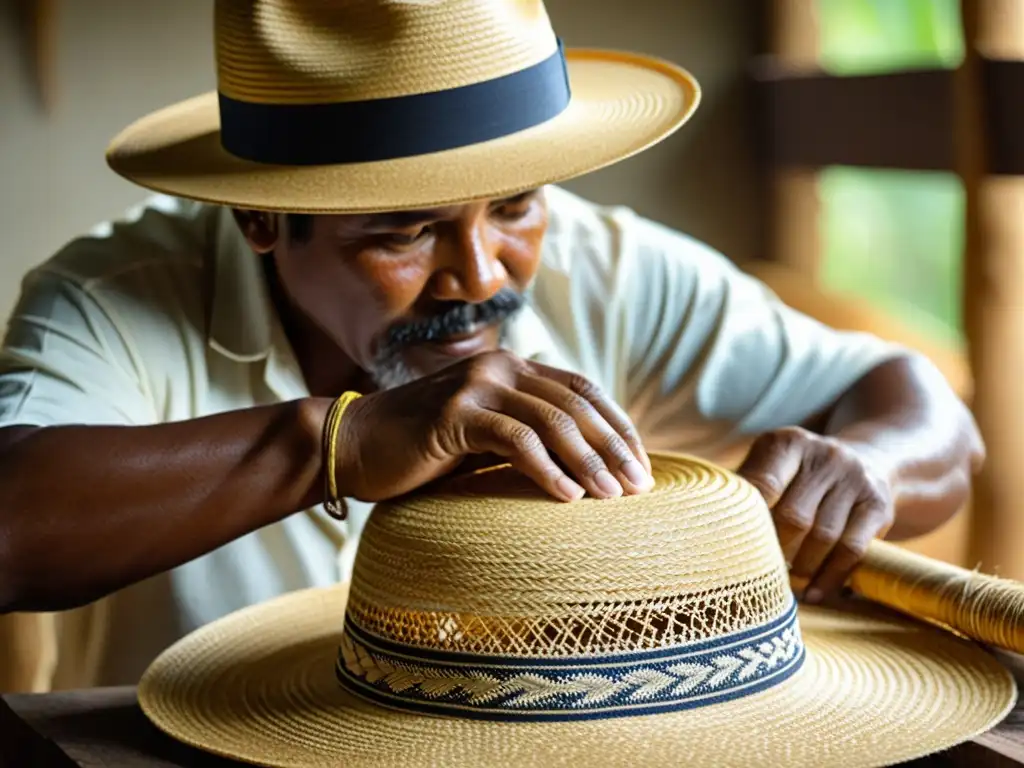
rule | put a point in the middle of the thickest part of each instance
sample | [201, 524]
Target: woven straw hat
[372, 105]
[486, 625]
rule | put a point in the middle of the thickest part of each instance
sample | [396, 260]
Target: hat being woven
[488, 625]
[373, 105]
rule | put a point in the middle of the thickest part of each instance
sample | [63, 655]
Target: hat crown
[487, 565]
[330, 51]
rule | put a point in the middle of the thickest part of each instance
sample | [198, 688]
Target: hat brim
[259, 686]
[621, 104]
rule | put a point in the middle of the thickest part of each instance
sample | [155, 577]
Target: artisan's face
[406, 294]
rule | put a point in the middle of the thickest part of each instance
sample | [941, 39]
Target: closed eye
[400, 240]
[515, 207]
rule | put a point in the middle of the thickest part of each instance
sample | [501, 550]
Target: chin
[431, 357]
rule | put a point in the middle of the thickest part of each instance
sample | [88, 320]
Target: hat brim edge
[176, 150]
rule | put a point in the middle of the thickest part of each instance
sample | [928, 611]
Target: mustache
[452, 319]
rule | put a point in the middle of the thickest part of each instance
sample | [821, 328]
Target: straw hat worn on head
[488, 625]
[378, 105]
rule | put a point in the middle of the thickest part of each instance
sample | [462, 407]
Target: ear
[259, 228]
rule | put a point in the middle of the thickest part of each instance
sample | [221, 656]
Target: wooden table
[104, 728]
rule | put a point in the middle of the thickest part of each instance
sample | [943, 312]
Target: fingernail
[636, 475]
[607, 484]
[814, 595]
[570, 490]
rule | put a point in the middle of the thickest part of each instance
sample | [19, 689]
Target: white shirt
[165, 316]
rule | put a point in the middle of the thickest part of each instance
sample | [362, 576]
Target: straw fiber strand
[982, 607]
[290, 52]
[259, 686]
[515, 573]
[483, 564]
[621, 104]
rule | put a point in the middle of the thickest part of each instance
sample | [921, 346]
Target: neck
[327, 370]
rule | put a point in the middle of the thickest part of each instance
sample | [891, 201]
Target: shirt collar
[241, 313]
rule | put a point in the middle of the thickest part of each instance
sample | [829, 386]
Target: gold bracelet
[335, 506]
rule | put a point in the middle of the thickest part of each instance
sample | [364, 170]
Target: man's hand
[827, 500]
[395, 441]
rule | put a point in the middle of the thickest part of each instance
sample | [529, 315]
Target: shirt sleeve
[64, 360]
[714, 356]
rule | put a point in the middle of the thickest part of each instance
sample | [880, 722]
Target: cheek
[396, 283]
[521, 255]
[336, 298]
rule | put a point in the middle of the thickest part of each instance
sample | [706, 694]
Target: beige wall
[118, 59]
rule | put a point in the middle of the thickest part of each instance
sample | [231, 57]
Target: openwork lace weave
[510, 573]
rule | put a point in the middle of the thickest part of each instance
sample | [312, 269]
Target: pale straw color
[323, 51]
[283, 51]
[504, 571]
[622, 104]
[875, 689]
[979, 606]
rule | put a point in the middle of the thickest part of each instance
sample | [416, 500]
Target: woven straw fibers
[282, 51]
[984, 608]
[875, 689]
[621, 105]
[493, 566]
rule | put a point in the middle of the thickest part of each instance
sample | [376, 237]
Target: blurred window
[894, 237]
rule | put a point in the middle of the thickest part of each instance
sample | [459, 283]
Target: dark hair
[300, 227]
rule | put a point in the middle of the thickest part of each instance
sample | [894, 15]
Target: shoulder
[611, 256]
[162, 235]
[617, 241]
[145, 265]
[137, 281]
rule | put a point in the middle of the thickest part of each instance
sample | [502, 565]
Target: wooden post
[993, 293]
[795, 238]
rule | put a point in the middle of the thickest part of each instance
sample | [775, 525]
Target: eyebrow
[409, 219]
[403, 219]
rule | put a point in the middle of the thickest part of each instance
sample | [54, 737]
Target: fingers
[771, 466]
[490, 432]
[829, 525]
[590, 393]
[866, 521]
[575, 428]
[797, 517]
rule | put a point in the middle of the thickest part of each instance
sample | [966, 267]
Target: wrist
[312, 416]
[347, 460]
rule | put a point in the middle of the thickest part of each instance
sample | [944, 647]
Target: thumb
[771, 466]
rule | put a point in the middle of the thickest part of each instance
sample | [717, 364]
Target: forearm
[909, 423]
[87, 510]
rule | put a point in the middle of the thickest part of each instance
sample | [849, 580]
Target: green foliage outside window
[894, 237]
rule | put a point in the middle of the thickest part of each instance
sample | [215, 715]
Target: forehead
[412, 218]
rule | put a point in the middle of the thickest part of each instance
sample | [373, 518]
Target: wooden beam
[795, 233]
[1004, 89]
[993, 290]
[812, 120]
[899, 120]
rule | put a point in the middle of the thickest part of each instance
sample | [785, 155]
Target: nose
[470, 267]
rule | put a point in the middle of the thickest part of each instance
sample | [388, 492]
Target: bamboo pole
[795, 235]
[993, 294]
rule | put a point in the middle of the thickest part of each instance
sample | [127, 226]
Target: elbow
[14, 580]
[19, 561]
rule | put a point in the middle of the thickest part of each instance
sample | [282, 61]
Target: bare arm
[85, 510]
[905, 418]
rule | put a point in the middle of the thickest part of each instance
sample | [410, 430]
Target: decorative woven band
[385, 129]
[582, 688]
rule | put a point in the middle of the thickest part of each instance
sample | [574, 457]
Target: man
[165, 382]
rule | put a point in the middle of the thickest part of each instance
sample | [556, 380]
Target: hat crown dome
[329, 51]
[487, 565]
